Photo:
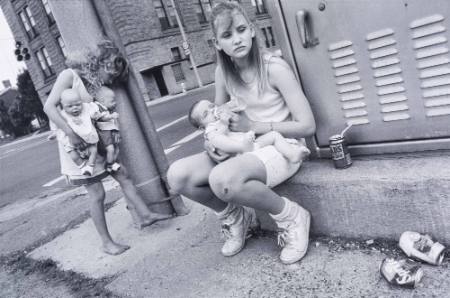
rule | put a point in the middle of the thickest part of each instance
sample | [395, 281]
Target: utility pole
[141, 148]
[186, 49]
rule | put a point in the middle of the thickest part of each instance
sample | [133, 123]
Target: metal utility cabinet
[382, 65]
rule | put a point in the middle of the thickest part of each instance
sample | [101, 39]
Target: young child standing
[274, 101]
[108, 127]
[215, 121]
[79, 117]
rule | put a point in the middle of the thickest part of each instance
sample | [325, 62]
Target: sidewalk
[181, 257]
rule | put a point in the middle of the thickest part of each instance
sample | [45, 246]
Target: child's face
[109, 101]
[204, 112]
[72, 105]
[234, 34]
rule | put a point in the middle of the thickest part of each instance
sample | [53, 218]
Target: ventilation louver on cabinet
[431, 50]
[387, 72]
[348, 82]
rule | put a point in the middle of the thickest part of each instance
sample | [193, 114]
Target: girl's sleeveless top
[267, 106]
[68, 167]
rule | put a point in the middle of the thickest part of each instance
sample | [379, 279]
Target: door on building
[383, 66]
[159, 78]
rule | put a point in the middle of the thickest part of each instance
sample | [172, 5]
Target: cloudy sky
[9, 67]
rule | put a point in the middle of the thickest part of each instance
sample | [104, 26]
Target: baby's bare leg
[293, 152]
[92, 149]
[76, 158]
[110, 156]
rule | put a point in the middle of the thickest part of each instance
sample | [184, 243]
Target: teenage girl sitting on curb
[274, 102]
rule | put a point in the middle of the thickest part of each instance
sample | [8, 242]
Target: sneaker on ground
[115, 166]
[235, 228]
[294, 236]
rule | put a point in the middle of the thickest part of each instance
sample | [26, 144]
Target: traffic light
[21, 53]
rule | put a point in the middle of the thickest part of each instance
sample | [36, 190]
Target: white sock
[285, 213]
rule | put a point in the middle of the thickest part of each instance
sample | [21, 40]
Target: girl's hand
[240, 122]
[76, 141]
[212, 152]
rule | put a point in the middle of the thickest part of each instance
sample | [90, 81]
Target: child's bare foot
[152, 218]
[114, 249]
[298, 153]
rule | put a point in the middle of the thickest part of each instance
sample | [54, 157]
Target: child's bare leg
[110, 156]
[96, 194]
[293, 152]
[76, 158]
[148, 217]
[92, 149]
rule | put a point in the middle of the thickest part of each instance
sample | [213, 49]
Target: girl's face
[234, 35]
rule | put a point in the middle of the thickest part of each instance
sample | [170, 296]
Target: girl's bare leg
[129, 189]
[96, 194]
[189, 177]
[231, 184]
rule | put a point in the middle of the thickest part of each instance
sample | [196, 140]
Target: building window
[176, 55]
[270, 33]
[266, 39]
[62, 46]
[260, 6]
[203, 10]
[178, 72]
[44, 62]
[166, 14]
[48, 11]
[28, 22]
[210, 43]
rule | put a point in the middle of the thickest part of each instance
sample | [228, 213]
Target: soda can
[339, 152]
[403, 272]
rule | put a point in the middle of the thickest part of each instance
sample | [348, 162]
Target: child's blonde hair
[230, 71]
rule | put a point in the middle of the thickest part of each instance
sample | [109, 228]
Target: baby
[215, 120]
[108, 127]
[79, 116]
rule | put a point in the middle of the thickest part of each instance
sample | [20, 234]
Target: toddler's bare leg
[110, 154]
[293, 152]
[92, 154]
[76, 158]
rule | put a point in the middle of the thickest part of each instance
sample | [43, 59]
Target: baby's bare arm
[229, 145]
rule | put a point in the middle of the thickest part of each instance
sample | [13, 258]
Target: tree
[26, 107]
[30, 97]
[5, 122]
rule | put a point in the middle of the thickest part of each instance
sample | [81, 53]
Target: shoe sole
[308, 223]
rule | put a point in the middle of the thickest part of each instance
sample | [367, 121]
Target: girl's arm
[282, 78]
[221, 96]
[64, 81]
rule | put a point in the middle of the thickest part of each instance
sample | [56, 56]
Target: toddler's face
[72, 105]
[204, 112]
[109, 101]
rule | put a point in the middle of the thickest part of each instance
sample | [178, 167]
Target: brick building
[149, 32]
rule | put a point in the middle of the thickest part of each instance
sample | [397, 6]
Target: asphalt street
[29, 164]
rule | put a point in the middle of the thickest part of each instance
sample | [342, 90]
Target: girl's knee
[96, 192]
[225, 185]
[177, 176]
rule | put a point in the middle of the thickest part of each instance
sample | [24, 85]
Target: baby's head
[106, 96]
[202, 113]
[71, 102]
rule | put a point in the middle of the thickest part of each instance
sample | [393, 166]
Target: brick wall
[47, 37]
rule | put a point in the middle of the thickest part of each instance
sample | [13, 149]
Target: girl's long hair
[88, 61]
[229, 69]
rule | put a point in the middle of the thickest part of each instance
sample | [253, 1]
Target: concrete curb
[380, 197]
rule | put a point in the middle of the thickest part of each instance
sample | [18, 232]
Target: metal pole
[86, 31]
[183, 35]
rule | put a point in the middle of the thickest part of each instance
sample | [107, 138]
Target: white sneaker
[115, 167]
[294, 235]
[235, 227]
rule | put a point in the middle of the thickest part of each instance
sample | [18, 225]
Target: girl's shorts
[278, 168]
